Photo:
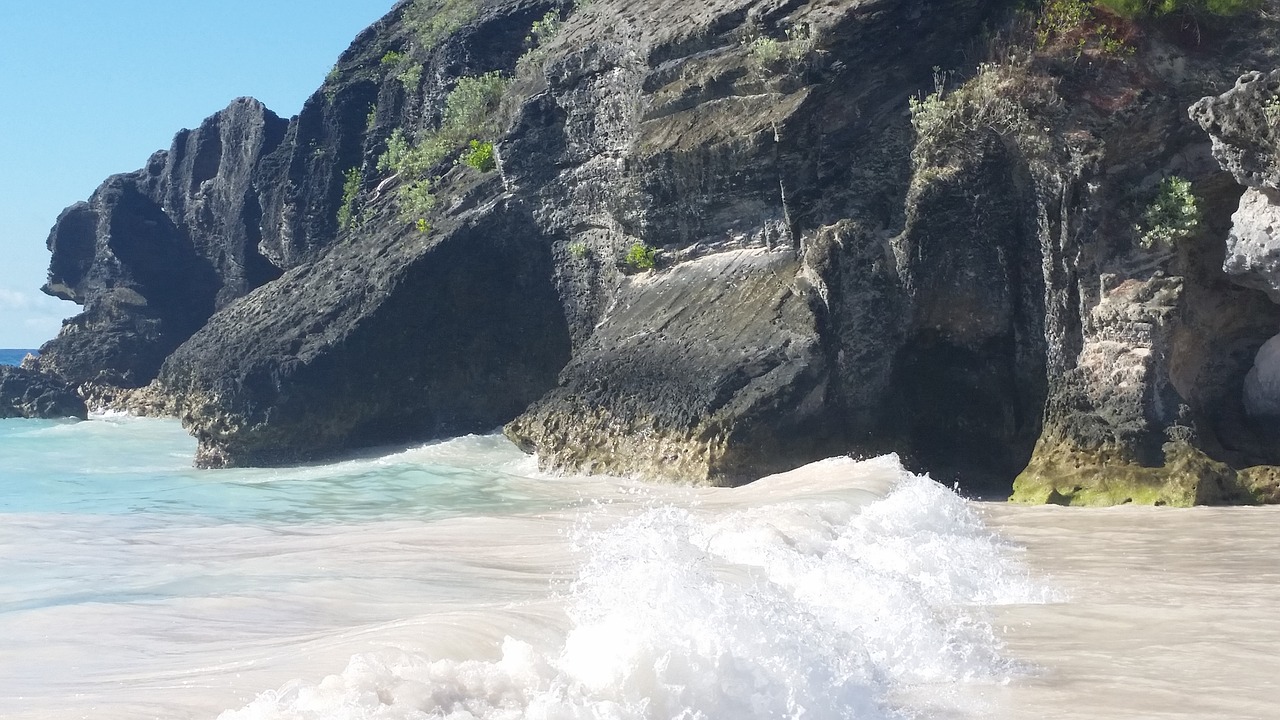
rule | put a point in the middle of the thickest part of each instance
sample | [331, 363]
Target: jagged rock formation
[26, 393]
[961, 283]
[1155, 409]
[155, 252]
[1244, 124]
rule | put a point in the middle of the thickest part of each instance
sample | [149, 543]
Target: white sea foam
[820, 603]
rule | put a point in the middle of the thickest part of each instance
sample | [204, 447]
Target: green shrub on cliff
[468, 115]
[411, 78]
[479, 156]
[350, 188]
[767, 54]
[469, 107]
[542, 32]
[1271, 109]
[1076, 23]
[1173, 215]
[642, 257]
[417, 200]
[998, 97]
[1151, 8]
[433, 20]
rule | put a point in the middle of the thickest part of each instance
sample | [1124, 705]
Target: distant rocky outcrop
[27, 393]
[154, 253]
[861, 241]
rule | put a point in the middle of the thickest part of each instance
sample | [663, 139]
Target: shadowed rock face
[155, 252]
[26, 393]
[1244, 124]
[394, 339]
[967, 291]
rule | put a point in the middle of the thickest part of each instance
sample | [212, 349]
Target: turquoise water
[452, 580]
[137, 465]
[9, 356]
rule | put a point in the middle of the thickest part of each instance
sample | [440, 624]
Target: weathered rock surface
[154, 253]
[1262, 384]
[28, 393]
[711, 372]
[1244, 125]
[392, 339]
[835, 275]
[1253, 247]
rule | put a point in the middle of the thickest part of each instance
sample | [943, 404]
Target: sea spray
[817, 603]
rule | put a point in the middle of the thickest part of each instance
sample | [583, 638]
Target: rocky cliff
[711, 240]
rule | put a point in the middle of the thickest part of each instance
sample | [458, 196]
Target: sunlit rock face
[1253, 247]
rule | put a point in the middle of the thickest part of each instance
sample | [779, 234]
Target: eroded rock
[28, 393]
[711, 372]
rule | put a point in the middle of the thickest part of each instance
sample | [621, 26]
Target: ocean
[9, 356]
[453, 580]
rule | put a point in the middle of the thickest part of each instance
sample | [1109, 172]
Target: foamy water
[452, 581]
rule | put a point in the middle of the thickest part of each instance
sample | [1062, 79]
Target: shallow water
[453, 581]
[1173, 613]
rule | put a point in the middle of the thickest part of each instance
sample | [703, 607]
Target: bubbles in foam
[811, 605]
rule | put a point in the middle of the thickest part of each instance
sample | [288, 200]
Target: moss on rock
[1063, 475]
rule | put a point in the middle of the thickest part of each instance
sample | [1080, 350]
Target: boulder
[28, 393]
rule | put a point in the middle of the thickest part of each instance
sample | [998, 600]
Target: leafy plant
[350, 188]
[542, 33]
[578, 249]
[1152, 8]
[642, 257]
[371, 119]
[1271, 109]
[470, 105]
[468, 115]
[392, 58]
[480, 156]
[993, 98]
[1077, 23]
[765, 53]
[1173, 215]
[411, 78]
[417, 199]
[433, 20]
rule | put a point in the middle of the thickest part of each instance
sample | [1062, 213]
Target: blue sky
[88, 89]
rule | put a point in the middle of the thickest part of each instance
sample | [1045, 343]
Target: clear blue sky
[91, 88]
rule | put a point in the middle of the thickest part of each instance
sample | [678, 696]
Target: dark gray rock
[28, 393]
[712, 372]
[966, 289]
[397, 338]
[155, 252]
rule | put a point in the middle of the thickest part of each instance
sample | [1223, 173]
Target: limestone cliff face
[835, 273]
